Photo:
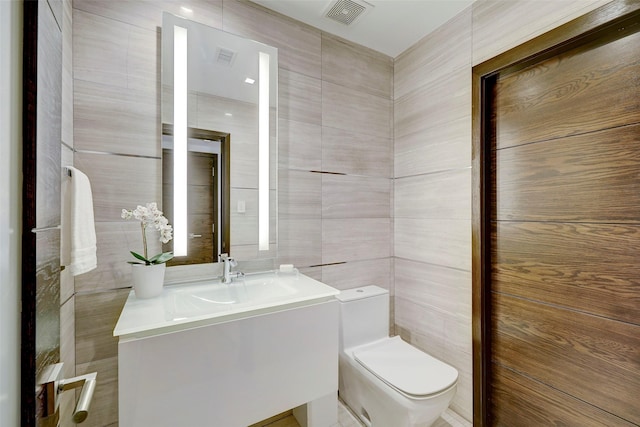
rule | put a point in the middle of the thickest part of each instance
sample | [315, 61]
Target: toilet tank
[364, 315]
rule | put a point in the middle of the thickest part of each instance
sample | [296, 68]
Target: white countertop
[184, 306]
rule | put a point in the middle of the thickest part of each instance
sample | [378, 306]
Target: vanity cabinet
[232, 371]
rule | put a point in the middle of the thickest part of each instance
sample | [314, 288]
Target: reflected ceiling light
[228, 114]
[180, 141]
[249, 80]
[186, 9]
[263, 152]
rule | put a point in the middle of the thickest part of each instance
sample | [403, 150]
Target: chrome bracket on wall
[53, 384]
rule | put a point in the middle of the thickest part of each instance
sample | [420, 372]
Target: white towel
[78, 243]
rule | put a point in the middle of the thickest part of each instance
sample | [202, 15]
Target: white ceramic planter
[147, 280]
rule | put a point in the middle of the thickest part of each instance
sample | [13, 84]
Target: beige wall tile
[299, 194]
[355, 239]
[300, 242]
[432, 331]
[67, 73]
[244, 230]
[437, 148]
[115, 53]
[253, 257]
[519, 21]
[299, 145]
[299, 97]
[144, 53]
[356, 111]
[313, 272]
[359, 273]
[298, 44]
[363, 69]
[100, 55]
[445, 50]
[441, 195]
[113, 119]
[244, 158]
[435, 104]
[441, 242]
[354, 153]
[148, 14]
[96, 317]
[345, 196]
[429, 285]
[120, 182]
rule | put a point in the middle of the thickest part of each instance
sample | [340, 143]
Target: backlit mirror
[219, 143]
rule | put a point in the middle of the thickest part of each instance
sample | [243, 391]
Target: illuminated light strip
[263, 153]
[179, 141]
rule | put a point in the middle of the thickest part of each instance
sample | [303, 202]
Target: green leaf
[140, 257]
[161, 258]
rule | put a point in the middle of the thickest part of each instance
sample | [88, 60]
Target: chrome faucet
[227, 264]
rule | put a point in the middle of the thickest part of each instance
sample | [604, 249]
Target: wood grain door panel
[593, 177]
[569, 265]
[587, 89]
[590, 358]
[560, 230]
[520, 401]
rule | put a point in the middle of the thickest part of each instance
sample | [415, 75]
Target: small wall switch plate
[242, 208]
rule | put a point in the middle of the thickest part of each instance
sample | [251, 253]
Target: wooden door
[202, 244]
[561, 234]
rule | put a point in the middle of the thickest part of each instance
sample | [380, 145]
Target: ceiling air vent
[346, 11]
[225, 56]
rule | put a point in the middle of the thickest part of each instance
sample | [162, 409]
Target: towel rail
[37, 230]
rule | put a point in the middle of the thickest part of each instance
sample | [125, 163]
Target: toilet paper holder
[54, 384]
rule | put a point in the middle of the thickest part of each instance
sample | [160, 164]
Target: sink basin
[204, 298]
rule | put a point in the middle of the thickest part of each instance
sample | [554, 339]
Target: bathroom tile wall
[326, 124]
[432, 161]
[336, 227]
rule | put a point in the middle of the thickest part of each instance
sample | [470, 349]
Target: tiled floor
[347, 419]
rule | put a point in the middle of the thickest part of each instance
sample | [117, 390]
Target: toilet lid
[406, 368]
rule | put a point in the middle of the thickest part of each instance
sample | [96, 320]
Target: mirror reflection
[225, 135]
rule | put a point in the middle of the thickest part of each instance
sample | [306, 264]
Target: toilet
[384, 380]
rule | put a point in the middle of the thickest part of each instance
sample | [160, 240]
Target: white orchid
[149, 215]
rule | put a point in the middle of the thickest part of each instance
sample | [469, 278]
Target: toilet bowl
[384, 380]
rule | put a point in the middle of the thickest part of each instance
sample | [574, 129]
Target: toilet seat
[405, 368]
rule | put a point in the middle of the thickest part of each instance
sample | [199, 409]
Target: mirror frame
[170, 21]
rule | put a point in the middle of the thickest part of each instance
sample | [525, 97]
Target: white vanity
[229, 355]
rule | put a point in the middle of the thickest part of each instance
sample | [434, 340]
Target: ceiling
[387, 26]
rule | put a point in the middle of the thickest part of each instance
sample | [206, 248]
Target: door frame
[604, 20]
[28, 271]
